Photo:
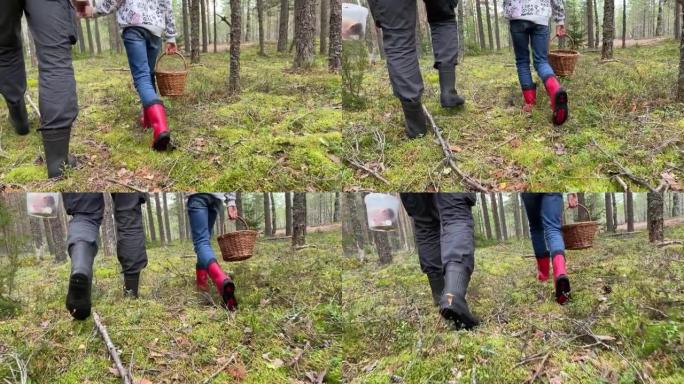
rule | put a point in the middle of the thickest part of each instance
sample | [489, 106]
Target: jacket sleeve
[230, 199]
[558, 11]
[105, 7]
[170, 30]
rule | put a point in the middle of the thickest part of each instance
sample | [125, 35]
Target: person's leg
[444, 32]
[397, 19]
[458, 255]
[12, 71]
[551, 216]
[533, 206]
[52, 27]
[139, 45]
[557, 95]
[202, 212]
[86, 211]
[520, 35]
[130, 239]
[421, 208]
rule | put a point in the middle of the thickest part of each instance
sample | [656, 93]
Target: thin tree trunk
[274, 220]
[335, 27]
[680, 81]
[203, 16]
[496, 25]
[495, 214]
[615, 212]
[195, 31]
[150, 218]
[160, 219]
[336, 208]
[180, 213]
[582, 214]
[524, 219]
[79, 33]
[461, 33]
[490, 35]
[325, 21]
[502, 217]
[678, 20]
[58, 234]
[38, 236]
[268, 229]
[485, 215]
[304, 34]
[609, 212]
[98, 44]
[239, 206]
[167, 222]
[516, 215]
[629, 209]
[608, 29]
[299, 219]
[235, 38]
[480, 26]
[260, 20]
[590, 23]
[283, 25]
[91, 45]
[624, 23]
[655, 217]
[186, 26]
[215, 28]
[659, 20]
[248, 22]
[288, 214]
[383, 248]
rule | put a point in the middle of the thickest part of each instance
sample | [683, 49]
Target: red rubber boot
[543, 267]
[224, 285]
[156, 117]
[143, 121]
[561, 280]
[530, 97]
[202, 279]
[559, 100]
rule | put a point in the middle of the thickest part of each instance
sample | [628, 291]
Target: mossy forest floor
[282, 133]
[286, 329]
[624, 323]
[627, 106]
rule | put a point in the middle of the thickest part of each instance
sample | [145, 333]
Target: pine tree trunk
[382, 246]
[274, 221]
[283, 25]
[609, 212]
[480, 26]
[335, 27]
[678, 20]
[299, 219]
[502, 217]
[186, 26]
[215, 29]
[516, 215]
[180, 213]
[325, 24]
[160, 219]
[608, 29]
[304, 34]
[590, 23]
[680, 81]
[91, 47]
[495, 214]
[485, 215]
[203, 16]
[490, 36]
[38, 236]
[659, 20]
[675, 204]
[336, 208]
[150, 218]
[167, 222]
[615, 211]
[98, 43]
[524, 219]
[248, 22]
[59, 234]
[195, 31]
[582, 214]
[235, 38]
[260, 20]
[238, 204]
[288, 214]
[268, 229]
[624, 23]
[496, 26]
[655, 217]
[629, 211]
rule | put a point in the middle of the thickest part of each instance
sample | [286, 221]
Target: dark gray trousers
[87, 210]
[444, 229]
[52, 26]
[397, 19]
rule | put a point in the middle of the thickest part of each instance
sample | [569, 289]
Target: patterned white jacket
[536, 11]
[154, 15]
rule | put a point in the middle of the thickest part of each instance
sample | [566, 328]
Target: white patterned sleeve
[558, 11]
[170, 30]
[105, 7]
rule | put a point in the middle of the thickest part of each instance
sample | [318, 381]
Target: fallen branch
[298, 247]
[277, 238]
[371, 172]
[33, 105]
[670, 242]
[539, 368]
[449, 157]
[213, 375]
[116, 69]
[624, 171]
[111, 348]
[133, 187]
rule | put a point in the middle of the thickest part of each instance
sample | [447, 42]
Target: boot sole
[228, 294]
[562, 290]
[79, 292]
[162, 142]
[560, 112]
[461, 321]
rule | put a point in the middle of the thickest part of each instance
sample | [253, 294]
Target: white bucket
[354, 19]
[382, 211]
[42, 204]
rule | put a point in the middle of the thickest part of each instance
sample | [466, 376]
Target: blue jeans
[525, 33]
[202, 210]
[545, 212]
[142, 49]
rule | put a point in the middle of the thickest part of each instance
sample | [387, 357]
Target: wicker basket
[238, 245]
[580, 235]
[563, 61]
[171, 83]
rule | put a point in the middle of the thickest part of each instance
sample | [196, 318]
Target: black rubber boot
[131, 283]
[56, 143]
[449, 97]
[18, 117]
[80, 281]
[437, 287]
[453, 305]
[416, 121]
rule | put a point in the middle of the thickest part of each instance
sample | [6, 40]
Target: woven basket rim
[242, 231]
[564, 52]
[171, 72]
[581, 224]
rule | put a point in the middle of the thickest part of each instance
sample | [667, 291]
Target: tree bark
[260, 20]
[160, 219]
[659, 20]
[609, 212]
[502, 217]
[98, 43]
[336, 208]
[624, 23]
[240, 207]
[680, 81]
[496, 26]
[167, 222]
[325, 24]
[608, 29]
[485, 215]
[59, 235]
[150, 218]
[489, 26]
[38, 236]
[203, 16]
[382, 245]
[180, 213]
[461, 33]
[195, 31]
[480, 26]
[283, 25]
[288, 214]
[516, 215]
[678, 20]
[186, 27]
[235, 38]
[582, 214]
[590, 23]
[495, 214]
[524, 219]
[655, 216]
[89, 32]
[299, 219]
[629, 211]
[268, 229]
[215, 29]
[675, 204]
[335, 27]
[274, 221]
[108, 227]
[305, 24]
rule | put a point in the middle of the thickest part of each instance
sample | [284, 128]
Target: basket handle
[586, 209]
[185, 63]
[238, 218]
[556, 37]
